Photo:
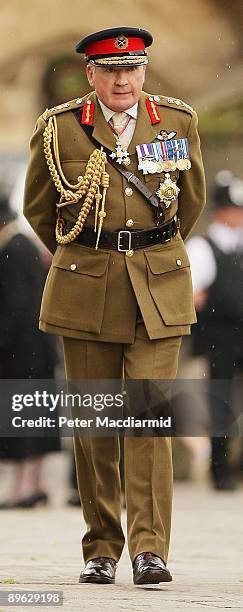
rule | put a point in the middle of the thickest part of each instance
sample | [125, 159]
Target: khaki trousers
[148, 460]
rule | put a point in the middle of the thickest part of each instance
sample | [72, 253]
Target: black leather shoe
[36, 499]
[150, 569]
[100, 569]
[225, 484]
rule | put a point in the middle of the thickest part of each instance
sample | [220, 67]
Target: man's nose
[121, 78]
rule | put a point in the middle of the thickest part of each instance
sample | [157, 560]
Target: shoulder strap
[132, 178]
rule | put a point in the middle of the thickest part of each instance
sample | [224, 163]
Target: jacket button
[73, 267]
[129, 223]
[179, 262]
[128, 191]
[129, 253]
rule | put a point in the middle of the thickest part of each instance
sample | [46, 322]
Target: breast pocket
[73, 169]
[74, 294]
[169, 280]
[154, 180]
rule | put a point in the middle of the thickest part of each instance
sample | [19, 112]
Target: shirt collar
[108, 113]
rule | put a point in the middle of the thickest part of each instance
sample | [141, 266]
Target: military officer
[115, 184]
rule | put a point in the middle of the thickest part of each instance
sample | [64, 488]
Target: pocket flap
[78, 260]
[73, 168]
[167, 259]
[160, 176]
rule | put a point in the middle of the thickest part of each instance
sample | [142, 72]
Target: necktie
[119, 121]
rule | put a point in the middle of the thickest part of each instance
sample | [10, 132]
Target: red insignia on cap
[153, 110]
[88, 113]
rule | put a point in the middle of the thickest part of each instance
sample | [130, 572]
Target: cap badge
[121, 42]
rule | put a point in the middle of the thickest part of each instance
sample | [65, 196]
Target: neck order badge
[120, 123]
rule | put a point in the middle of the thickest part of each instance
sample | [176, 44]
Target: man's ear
[90, 74]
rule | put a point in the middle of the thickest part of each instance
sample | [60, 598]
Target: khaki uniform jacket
[98, 298]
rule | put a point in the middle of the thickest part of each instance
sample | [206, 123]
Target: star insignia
[119, 154]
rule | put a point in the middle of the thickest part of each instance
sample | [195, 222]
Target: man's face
[117, 88]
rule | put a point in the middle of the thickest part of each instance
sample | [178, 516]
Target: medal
[167, 166]
[183, 164]
[148, 166]
[163, 155]
[168, 191]
[120, 155]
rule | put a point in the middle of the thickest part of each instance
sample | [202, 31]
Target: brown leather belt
[125, 240]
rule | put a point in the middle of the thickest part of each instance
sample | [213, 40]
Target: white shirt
[202, 259]
[127, 135]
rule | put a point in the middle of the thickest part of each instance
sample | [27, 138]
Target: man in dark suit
[217, 264]
[25, 353]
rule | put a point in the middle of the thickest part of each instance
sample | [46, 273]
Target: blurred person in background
[16, 204]
[24, 351]
[217, 273]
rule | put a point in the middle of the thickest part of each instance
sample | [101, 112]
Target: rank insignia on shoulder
[55, 110]
[179, 103]
[163, 156]
[164, 135]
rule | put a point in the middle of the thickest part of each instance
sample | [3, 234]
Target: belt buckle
[166, 239]
[119, 246]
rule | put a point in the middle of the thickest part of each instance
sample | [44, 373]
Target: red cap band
[110, 46]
